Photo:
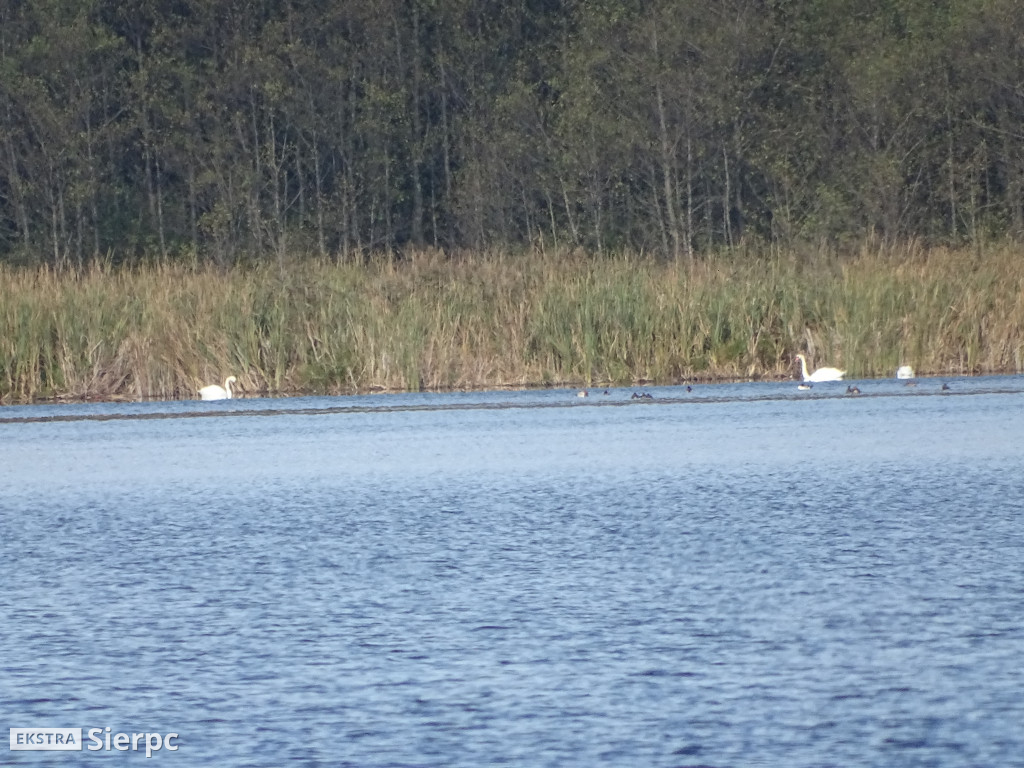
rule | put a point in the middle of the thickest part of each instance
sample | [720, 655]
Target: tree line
[261, 129]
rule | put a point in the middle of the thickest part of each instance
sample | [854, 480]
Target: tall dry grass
[496, 320]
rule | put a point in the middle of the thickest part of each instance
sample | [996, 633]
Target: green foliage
[230, 133]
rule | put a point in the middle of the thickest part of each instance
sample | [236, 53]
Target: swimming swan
[213, 392]
[904, 372]
[821, 374]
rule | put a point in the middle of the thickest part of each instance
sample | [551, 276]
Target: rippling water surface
[738, 575]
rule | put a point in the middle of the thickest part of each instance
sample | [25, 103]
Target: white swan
[821, 374]
[904, 372]
[213, 392]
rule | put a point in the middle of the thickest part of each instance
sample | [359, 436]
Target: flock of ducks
[217, 392]
[636, 395]
[809, 378]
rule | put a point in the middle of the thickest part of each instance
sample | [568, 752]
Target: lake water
[739, 575]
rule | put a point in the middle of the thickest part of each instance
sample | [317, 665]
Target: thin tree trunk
[727, 200]
[445, 141]
[667, 160]
[551, 216]
[319, 185]
[688, 240]
[417, 139]
[17, 188]
[93, 188]
[193, 208]
[160, 209]
[568, 212]
[658, 209]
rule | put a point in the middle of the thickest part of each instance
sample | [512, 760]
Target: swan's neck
[227, 387]
[803, 367]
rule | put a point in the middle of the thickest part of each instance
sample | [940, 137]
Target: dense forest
[247, 130]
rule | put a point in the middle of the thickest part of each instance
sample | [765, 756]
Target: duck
[216, 392]
[583, 393]
[803, 386]
[853, 390]
[821, 374]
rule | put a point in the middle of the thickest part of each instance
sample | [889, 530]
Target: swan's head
[231, 379]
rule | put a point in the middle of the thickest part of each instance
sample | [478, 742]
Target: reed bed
[439, 322]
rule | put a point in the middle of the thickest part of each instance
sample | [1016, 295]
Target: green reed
[498, 320]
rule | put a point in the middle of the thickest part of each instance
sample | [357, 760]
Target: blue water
[739, 575]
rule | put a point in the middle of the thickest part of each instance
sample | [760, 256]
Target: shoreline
[568, 386]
